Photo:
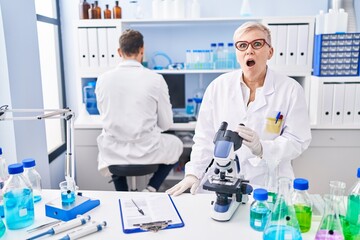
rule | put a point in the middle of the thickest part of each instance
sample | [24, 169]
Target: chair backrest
[133, 170]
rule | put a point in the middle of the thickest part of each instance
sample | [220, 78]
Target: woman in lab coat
[270, 105]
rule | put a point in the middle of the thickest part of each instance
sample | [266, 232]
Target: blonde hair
[248, 26]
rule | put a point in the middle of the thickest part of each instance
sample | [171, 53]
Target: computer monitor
[176, 84]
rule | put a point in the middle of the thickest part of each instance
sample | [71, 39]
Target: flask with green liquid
[302, 204]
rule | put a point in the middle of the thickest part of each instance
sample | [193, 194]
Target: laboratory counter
[194, 210]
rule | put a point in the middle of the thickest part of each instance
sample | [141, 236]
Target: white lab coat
[223, 101]
[135, 108]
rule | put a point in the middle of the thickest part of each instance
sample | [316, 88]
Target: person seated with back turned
[270, 105]
[135, 109]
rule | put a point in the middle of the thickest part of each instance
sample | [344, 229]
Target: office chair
[133, 171]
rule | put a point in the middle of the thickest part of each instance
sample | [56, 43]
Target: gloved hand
[250, 139]
[190, 181]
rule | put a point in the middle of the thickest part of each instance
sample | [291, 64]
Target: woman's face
[253, 61]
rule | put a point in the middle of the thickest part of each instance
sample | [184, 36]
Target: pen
[277, 117]
[139, 209]
[93, 228]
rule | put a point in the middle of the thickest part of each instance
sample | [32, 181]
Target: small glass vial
[107, 12]
[33, 177]
[116, 10]
[190, 107]
[259, 210]
[18, 199]
[302, 204]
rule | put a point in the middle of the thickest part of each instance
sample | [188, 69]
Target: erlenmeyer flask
[337, 193]
[272, 186]
[330, 227]
[282, 223]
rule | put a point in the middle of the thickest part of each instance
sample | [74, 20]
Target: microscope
[230, 190]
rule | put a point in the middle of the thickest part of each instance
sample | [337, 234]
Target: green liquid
[353, 218]
[303, 215]
[329, 224]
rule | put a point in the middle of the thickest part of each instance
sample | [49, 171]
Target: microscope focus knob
[230, 170]
[216, 171]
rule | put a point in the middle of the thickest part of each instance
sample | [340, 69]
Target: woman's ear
[271, 53]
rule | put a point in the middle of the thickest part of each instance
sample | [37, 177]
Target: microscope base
[224, 216]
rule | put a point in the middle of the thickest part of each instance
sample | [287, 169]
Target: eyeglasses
[256, 44]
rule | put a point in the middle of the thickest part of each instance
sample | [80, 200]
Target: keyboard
[183, 119]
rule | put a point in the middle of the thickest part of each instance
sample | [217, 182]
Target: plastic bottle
[353, 209]
[116, 10]
[18, 199]
[107, 12]
[3, 177]
[231, 58]
[213, 49]
[33, 177]
[342, 21]
[84, 9]
[302, 204]
[282, 223]
[155, 4]
[330, 22]
[190, 107]
[259, 210]
[319, 23]
[245, 9]
[195, 9]
[220, 58]
[98, 10]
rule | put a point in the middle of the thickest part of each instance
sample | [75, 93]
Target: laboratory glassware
[107, 12]
[116, 10]
[18, 199]
[98, 10]
[84, 9]
[92, 12]
[330, 226]
[33, 177]
[68, 192]
[2, 228]
[259, 210]
[272, 186]
[302, 204]
[353, 209]
[3, 177]
[190, 107]
[282, 223]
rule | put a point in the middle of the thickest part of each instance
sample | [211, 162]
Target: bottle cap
[15, 168]
[28, 162]
[190, 100]
[260, 194]
[358, 175]
[220, 44]
[301, 184]
[213, 44]
[0, 151]
[91, 84]
[230, 44]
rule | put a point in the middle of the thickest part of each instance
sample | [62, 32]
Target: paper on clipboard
[157, 207]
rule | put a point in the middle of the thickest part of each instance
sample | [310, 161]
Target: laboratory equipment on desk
[3, 177]
[90, 98]
[259, 210]
[190, 107]
[87, 230]
[230, 190]
[18, 199]
[272, 186]
[116, 10]
[302, 204]
[62, 227]
[33, 177]
[282, 223]
[353, 209]
[330, 226]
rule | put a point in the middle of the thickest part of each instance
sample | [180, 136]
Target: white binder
[357, 105]
[273, 31]
[338, 103]
[291, 44]
[281, 45]
[302, 51]
[83, 48]
[102, 43]
[349, 103]
[327, 103]
[113, 45]
[93, 47]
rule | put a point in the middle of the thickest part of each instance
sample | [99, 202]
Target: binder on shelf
[291, 44]
[93, 47]
[338, 103]
[102, 43]
[273, 31]
[327, 103]
[83, 48]
[280, 49]
[113, 45]
[357, 105]
[150, 212]
[302, 44]
[349, 103]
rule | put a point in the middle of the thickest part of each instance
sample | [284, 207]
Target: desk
[194, 209]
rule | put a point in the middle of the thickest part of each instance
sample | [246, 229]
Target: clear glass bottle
[33, 177]
[107, 12]
[3, 177]
[116, 10]
[272, 186]
[2, 228]
[259, 210]
[84, 9]
[302, 204]
[220, 60]
[213, 48]
[353, 209]
[231, 58]
[330, 226]
[18, 199]
[282, 223]
[190, 107]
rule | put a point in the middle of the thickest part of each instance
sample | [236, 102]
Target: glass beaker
[282, 223]
[330, 226]
[68, 192]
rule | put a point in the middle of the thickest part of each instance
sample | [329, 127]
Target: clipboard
[159, 212]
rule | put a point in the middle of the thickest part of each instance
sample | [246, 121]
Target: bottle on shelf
[319, 23]
[84, 9]
[107, 12]
[3, 177]
[195, 9]
[220, 56]
[116, 10]
[302, 204]
[353, 209]
[245, 10]
[98, 10]
[33, 177]
[282, 223]
[92, 12]
[259, 210]
[155, 5]
[330, 21]
[213, 58]
[342, 21]
[231, 58]
[190, 107]
[18, 199]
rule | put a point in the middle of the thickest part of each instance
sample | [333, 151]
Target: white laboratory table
[194, 209]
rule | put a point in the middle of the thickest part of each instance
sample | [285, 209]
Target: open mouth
[250, 63]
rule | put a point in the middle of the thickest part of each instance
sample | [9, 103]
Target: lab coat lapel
[238, 97]
[261, 95]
